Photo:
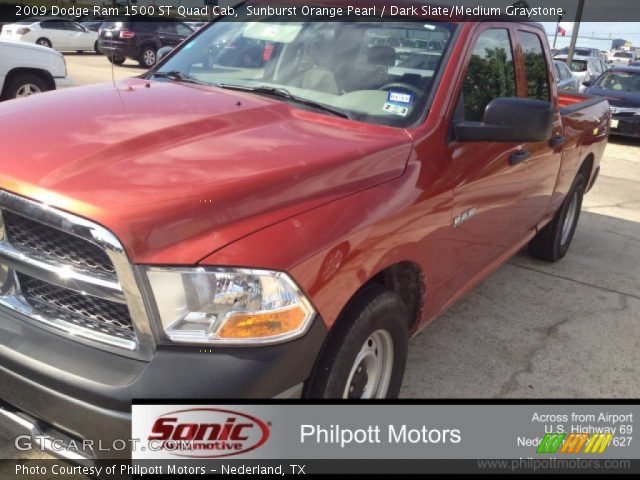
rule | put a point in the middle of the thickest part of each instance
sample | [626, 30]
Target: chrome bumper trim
[49, 441]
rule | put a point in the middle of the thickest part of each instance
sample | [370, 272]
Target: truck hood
[5, 43]
[178, 171]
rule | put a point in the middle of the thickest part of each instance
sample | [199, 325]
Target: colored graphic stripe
[574, 443]
[598, 443]
[551, 442]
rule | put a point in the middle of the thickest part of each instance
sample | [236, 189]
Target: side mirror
[587, 83]
[162, 52]
[509, 120]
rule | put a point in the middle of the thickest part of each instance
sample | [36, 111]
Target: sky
[630, 31]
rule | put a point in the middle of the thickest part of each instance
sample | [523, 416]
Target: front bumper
[63, 82]
[69, 390]
[627, 125]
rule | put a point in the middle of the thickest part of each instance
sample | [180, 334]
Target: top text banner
[384, 431]
[292, 10]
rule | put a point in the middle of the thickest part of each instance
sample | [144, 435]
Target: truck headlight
[229, 306]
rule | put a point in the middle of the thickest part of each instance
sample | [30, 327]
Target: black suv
[120, 39]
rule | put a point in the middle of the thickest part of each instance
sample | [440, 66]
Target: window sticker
[398, 103]
[400, 98]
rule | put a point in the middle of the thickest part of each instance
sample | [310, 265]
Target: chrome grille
[70, 276]
[67, 249]
[83, 310]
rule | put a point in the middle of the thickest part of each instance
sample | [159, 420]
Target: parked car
[585, 69]
[634, 64]
[621, 87]
[56, 33]
[623, 58]
[583, 52]
[27, 69]
[272, 230]
[564, 78]
[123, 38]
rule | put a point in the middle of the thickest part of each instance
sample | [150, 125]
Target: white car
[26, 69]
[56, 33]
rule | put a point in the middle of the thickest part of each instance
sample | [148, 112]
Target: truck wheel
[147, 57]
[24, 85]
[553, 241]
[367, 354]
[116, 60]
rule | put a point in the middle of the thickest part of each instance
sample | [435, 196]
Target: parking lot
[569, 330]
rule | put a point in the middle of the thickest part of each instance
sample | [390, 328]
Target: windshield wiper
[177, 76]
[286, 94]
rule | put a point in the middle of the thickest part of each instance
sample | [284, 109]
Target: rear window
[623, 55]
[535, 66]
[578, 66]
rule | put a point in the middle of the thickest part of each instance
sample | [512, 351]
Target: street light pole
[574, 34]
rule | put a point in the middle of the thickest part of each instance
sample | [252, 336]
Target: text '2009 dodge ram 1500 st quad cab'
[274, 227]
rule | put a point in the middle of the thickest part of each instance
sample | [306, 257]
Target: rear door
[545, 157]
[55, 31]
[79, 39]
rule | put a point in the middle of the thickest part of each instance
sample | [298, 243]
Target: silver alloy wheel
[569, 219]
[149, 57]
[28, 89]
[371, 371]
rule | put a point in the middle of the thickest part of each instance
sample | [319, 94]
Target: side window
[535, 66]
[183, 29]
[565, 72]
[490, 74]
[557, 71]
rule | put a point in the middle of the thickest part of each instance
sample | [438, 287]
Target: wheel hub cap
[371, 371]
[28, 89]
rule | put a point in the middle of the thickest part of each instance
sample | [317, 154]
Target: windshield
[374, 72]
[621, 81]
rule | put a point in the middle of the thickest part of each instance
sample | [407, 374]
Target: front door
[488, 183]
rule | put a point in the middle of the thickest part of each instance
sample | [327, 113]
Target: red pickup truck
[274, 210]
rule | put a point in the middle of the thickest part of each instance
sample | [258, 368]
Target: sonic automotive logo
[207, 433]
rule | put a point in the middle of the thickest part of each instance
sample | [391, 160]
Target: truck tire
[24, 85]
[366, 356]
[148, 56]
[553, 241]
[116, 60]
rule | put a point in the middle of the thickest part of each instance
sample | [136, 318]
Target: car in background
[27, 69]
[621, 87]
[583, 52]
[196, 25]
[623, 58]
[635, 64]
[139, 39]
[57, 33]
[564, 78]
[585, 69]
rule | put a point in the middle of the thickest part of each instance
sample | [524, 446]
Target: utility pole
[574, 34]
[555, 37]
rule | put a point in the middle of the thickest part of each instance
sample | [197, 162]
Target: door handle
[557, 141]
[519, 157]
